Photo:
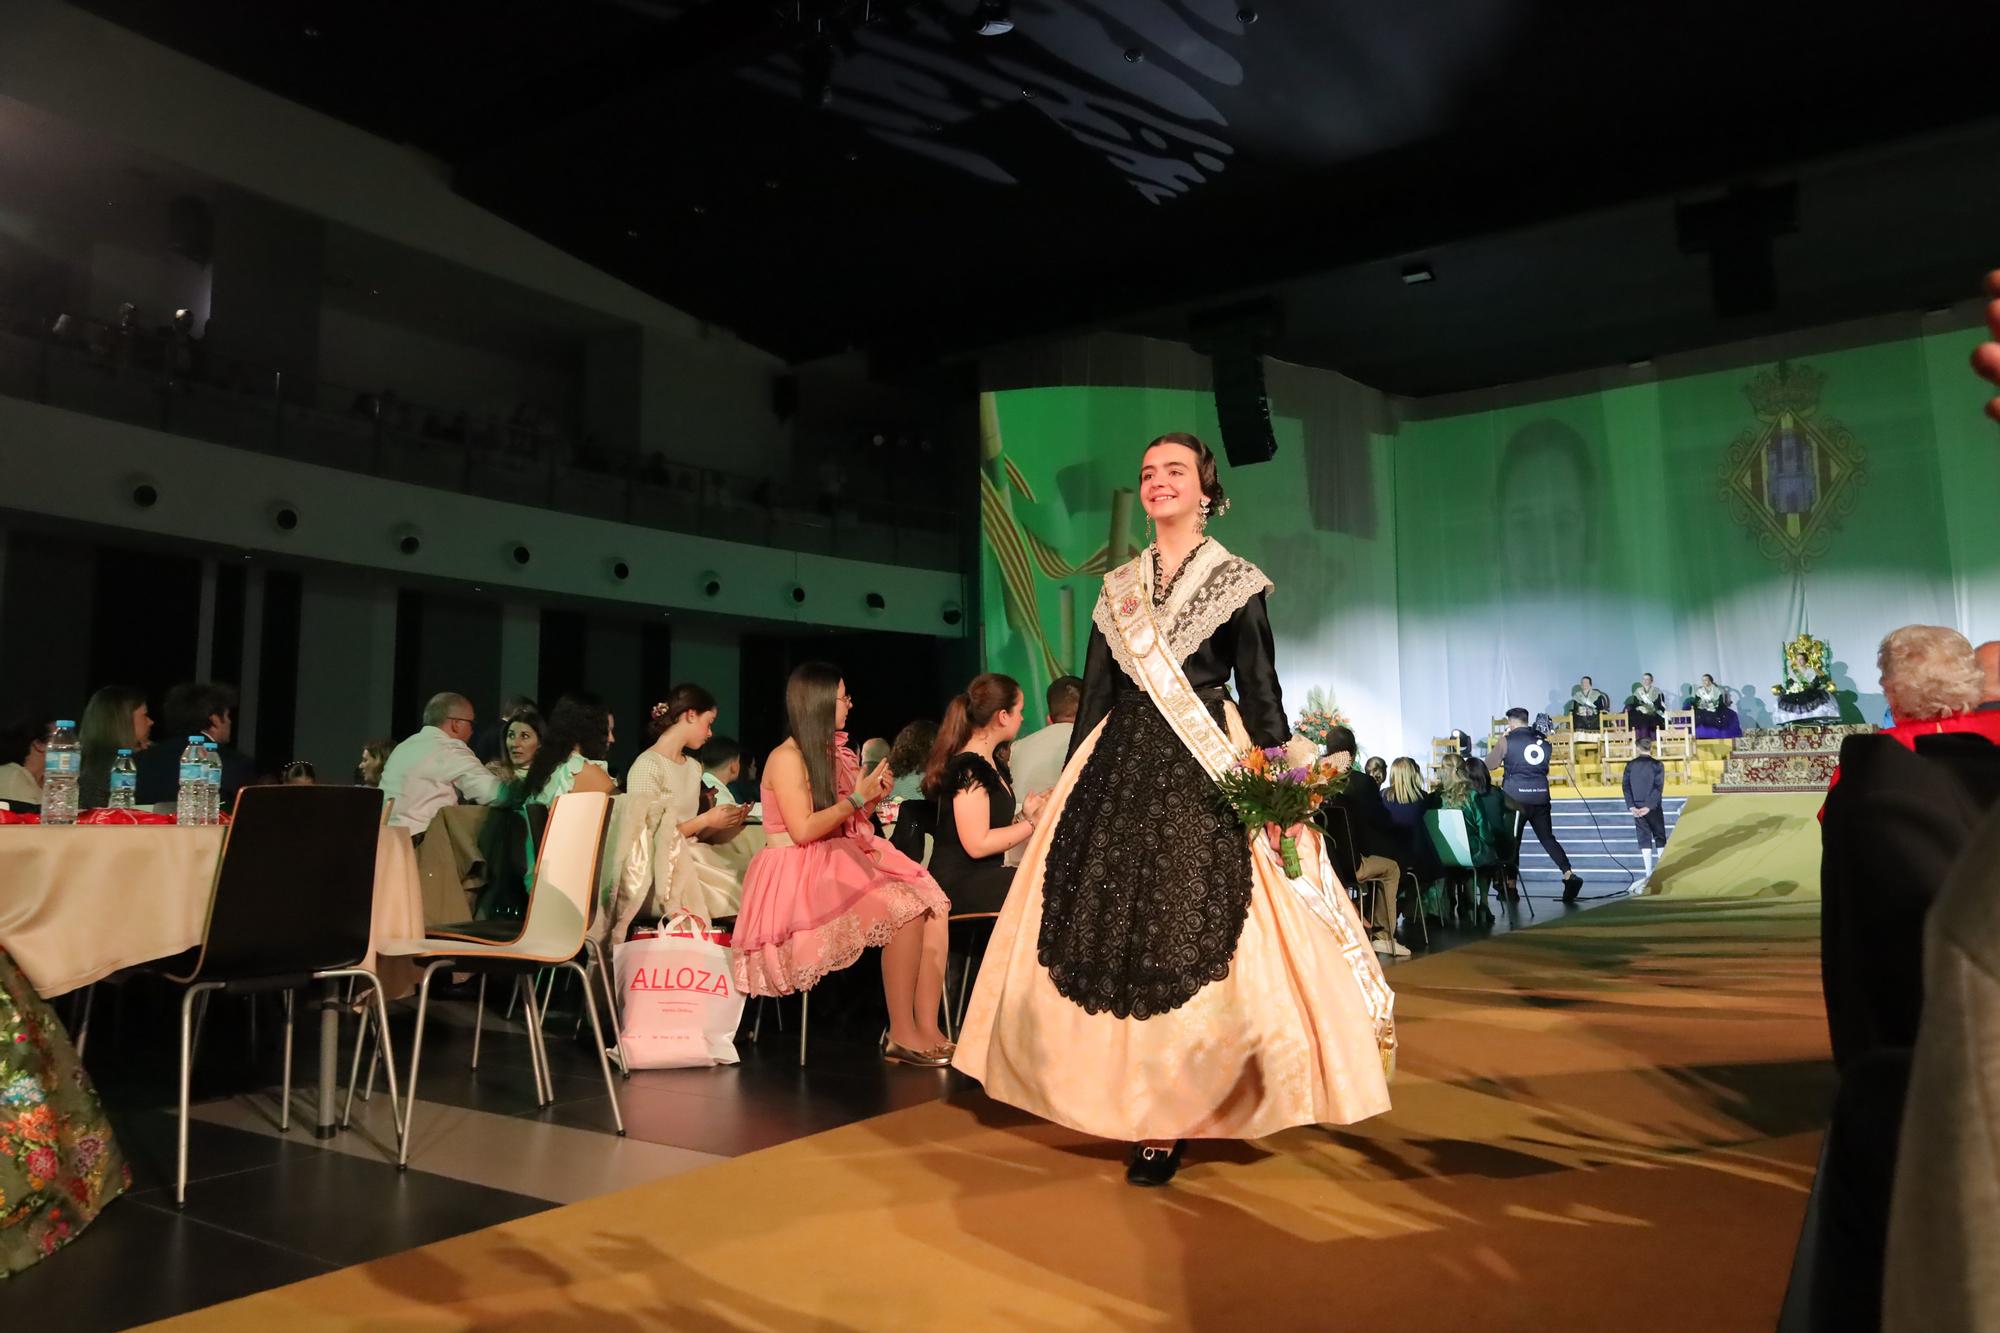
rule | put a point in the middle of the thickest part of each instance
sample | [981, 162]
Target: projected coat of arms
[1797, 474]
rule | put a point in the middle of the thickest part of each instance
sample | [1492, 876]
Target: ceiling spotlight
[631, 233]
[992, 18]
[1134, 56]
[1415, 275]
[1246, 16]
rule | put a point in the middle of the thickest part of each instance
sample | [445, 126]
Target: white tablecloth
[77, 904]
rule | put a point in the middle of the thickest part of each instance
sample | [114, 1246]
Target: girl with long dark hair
[116, 718]
[977, 818]
[825, 887]
[573, 752]
[1155, 975]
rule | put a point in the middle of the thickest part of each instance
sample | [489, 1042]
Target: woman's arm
[972, 812]
[786, 776]
[592, 778]
[1258, 697]
[1099, 685]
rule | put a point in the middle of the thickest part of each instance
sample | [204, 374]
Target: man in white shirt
[435, 767]
[1038, 758]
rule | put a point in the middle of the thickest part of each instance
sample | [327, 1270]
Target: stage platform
[1757, 844]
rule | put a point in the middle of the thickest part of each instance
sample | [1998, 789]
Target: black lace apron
[1147, 880]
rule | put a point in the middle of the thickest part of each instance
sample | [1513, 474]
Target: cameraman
[1524, 754]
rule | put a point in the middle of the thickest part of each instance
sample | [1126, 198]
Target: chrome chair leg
[188, 1000]
[964, 992]
[376, 1014]
[416, 1057]
[597, 1031]
[533, 1010]
[398, 1114]
[478, 1019]
[285, 1092]
[598, 960]
[354, 1073]
[200, 1019]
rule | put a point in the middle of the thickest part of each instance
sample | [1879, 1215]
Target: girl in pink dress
[825, 887]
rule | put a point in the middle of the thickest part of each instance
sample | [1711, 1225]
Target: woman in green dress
[59, 1164]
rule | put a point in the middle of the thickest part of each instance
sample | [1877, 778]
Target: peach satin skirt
[1298, 1033]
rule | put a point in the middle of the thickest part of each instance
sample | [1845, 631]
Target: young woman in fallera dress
[1154, 976]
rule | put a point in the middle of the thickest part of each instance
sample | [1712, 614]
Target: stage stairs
[1598, 835]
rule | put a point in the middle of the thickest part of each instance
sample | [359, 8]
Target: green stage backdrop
[1476, 561]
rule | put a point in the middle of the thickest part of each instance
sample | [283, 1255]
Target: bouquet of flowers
[1319, 717]
[1806, 680]
[1262, 790]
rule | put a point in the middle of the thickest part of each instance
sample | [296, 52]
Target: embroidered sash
[1128, 598]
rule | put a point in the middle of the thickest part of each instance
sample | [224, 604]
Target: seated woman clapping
[978, 821]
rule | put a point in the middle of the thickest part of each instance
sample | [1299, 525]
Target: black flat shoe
[1153, 1166]
[1572, 885]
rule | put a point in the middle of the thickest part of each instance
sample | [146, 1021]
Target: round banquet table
[80, 903]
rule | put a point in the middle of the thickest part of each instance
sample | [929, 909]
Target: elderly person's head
[1928, 672]
[1988, 656]
[452, 714]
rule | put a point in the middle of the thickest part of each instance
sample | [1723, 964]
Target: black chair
[915, 821]
[1346, 857]
[294, 902]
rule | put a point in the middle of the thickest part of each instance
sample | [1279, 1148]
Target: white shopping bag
[681, 1004]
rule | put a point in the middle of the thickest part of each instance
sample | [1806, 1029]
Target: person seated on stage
[1646, 707]
[1714, 718]
[1645, 796]
[1934, 684]
[1379, 845]
[1586, 703]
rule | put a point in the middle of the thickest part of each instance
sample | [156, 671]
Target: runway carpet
[1608, 1122]
[1743, 845]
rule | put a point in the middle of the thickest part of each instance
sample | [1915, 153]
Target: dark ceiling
[824, 174]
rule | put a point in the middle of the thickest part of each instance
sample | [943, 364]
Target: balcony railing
[153, 380]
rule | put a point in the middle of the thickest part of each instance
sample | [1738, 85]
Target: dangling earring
[1201, 522]
[1151, 536]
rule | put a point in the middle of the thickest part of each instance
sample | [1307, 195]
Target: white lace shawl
[1213, 587]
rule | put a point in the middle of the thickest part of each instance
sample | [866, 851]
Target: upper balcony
[168, 380]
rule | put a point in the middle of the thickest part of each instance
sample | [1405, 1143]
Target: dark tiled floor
[264, 1211]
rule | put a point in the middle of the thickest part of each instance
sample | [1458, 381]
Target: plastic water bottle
[124, 781]
[191, 805]
[211, 782]
[61, 769]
